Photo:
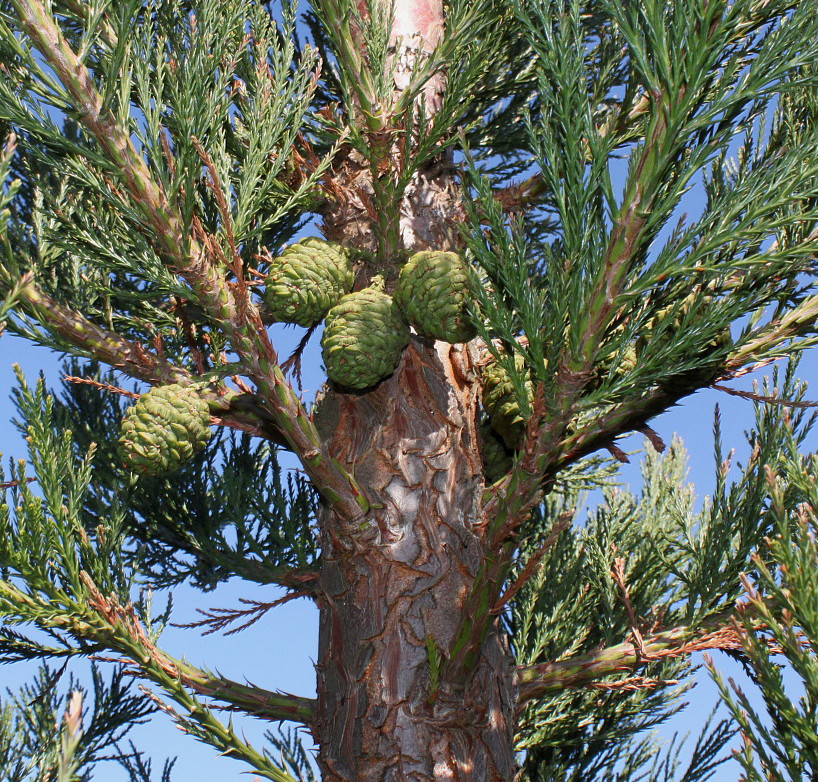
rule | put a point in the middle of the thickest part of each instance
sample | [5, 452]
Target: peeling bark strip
[395, 588]
[416, 28]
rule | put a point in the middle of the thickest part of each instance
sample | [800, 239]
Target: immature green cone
[164, 429]
[434, 291]
[306, 280]
[364, 335]
[500, 402]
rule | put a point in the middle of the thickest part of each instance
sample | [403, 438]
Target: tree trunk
[394, 585]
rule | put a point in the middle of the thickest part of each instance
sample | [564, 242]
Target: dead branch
[216, 619]
[618, 575]
[768, 400]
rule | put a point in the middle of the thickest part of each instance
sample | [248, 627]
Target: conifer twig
[123, 633]
[89, 381]
[204, 726]
[12, 484]
[653, 438]
[294, 361]
[219, 618]
[40, 25]
[768, 400]
[107, 346]
[634, 683]
[618, 575]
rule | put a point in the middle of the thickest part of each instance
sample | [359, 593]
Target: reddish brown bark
[394, 586]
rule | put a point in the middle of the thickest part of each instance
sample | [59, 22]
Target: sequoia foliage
[512, 233]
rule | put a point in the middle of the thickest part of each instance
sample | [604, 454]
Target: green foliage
[780, 623]
[232, 511]
[213, 89]
[680, 567]
[574, 604]
[73, 584]
[697, 80]
[291, 749]
[48, 735]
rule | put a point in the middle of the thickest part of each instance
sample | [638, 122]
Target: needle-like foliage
[633, 190]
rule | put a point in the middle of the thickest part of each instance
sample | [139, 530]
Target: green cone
[364, 336]
[306, 280]
[434, 291]
[500, 402]
[164, 429]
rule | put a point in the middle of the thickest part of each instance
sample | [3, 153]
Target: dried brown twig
[530, 568]
[769, 400]
[294, 361]
[618, 575]
[12, 484]
[89, 381]
[633, 683]
[217, 619]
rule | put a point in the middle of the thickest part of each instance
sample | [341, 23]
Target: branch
[633, 414]
[519, 197]
[105, 345]
[246, 412]
[799, 319]
[127, 637]
[629, 416]
[40, 26]
[509, 502]
[101, 622]
[109, 387]
[618, 575]
[538, 680]
[248, 698]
